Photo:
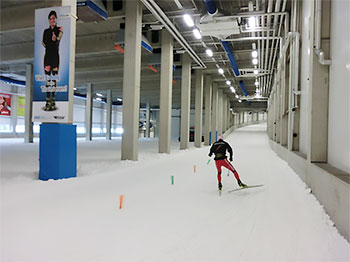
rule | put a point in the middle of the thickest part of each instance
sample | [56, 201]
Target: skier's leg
[218, 167]
[230, 167]
[53, 96]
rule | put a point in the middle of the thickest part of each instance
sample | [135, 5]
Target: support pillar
[166, 78]
[131, 79]
[198, 109]
[185, 101]
[214, 115]
[88, 112]
[28, 124]
[207, 120]
[109, 115]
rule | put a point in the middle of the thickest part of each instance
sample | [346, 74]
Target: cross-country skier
[219, 150]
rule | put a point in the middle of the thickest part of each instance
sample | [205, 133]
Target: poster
[5, 104]
[51, 64]
[21, 104]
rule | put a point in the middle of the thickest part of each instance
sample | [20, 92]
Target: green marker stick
[208, 161]
[172, 180]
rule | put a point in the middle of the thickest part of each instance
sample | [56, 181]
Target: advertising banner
[5, 104]
[51, 64]
[21, 105]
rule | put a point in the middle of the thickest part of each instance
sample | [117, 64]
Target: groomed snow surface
[79, 219]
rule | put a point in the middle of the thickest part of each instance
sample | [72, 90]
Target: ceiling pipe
[318, 21]
[213, 10]
[161, 17]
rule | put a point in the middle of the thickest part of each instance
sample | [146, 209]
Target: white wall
[339, 110]
[306, 55]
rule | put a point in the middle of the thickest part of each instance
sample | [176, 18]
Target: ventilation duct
[212, 11]
[91, 10]
[120, 40]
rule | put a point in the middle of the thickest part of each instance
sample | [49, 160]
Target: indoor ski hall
[174, 131]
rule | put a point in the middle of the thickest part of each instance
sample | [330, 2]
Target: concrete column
[88, 112]
[166, 78]
[28, 133]
[109, 115]
[214, 115]
[148, 122]
[131, 80]
[207, 120]
[198, 109]
[185, 101]
[73, 5]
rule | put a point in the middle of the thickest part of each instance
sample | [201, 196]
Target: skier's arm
[211, 151]
[229, 149]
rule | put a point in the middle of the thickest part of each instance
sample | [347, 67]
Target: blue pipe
[228, 50]
[211, 7]
[241, 83]
[212, 10]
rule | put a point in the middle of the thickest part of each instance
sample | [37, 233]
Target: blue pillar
[57, 151]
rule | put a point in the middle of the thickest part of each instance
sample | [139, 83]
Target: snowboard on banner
[242, 188]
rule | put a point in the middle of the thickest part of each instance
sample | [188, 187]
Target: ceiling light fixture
[256, 71]
[255, 54]
[236, 96]
[240, 100]
[196, 33]
[221, 71]
[188, 19]
[252, 22]
[209, 52]
[255, 61]
[98, 94]
[256, 83]
[228, 82]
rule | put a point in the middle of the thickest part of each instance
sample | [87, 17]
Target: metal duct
[213, 10]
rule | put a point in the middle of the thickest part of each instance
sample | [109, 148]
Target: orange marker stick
[121, 199]
[194, 168]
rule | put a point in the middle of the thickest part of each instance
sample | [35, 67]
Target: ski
[241, 188]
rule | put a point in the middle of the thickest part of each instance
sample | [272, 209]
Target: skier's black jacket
[219, 149]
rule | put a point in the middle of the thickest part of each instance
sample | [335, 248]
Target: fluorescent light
[233, 90]
[256, 83]
[188, 19]
[255, 54]
[256, 71]
[196, 33]
[252, 22]
[74, 88]
[99, 99]
[209, 52]
[119, 130]
[236, 96]
[221, 71]
[98, 94]
[240, 100]
[257, 90]
[228, 82]
[255, 61]
[119, 99]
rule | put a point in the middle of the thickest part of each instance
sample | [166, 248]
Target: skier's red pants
[228, 165]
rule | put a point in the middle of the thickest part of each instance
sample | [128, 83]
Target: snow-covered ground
[79, 219]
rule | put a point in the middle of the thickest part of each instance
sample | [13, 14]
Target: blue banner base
[57, 151]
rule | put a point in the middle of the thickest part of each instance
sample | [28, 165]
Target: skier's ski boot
[220, 186]
[241, 184]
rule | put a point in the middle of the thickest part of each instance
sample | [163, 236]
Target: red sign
[5, 104]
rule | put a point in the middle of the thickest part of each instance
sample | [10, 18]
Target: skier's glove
[210, 154]
[231, 159]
